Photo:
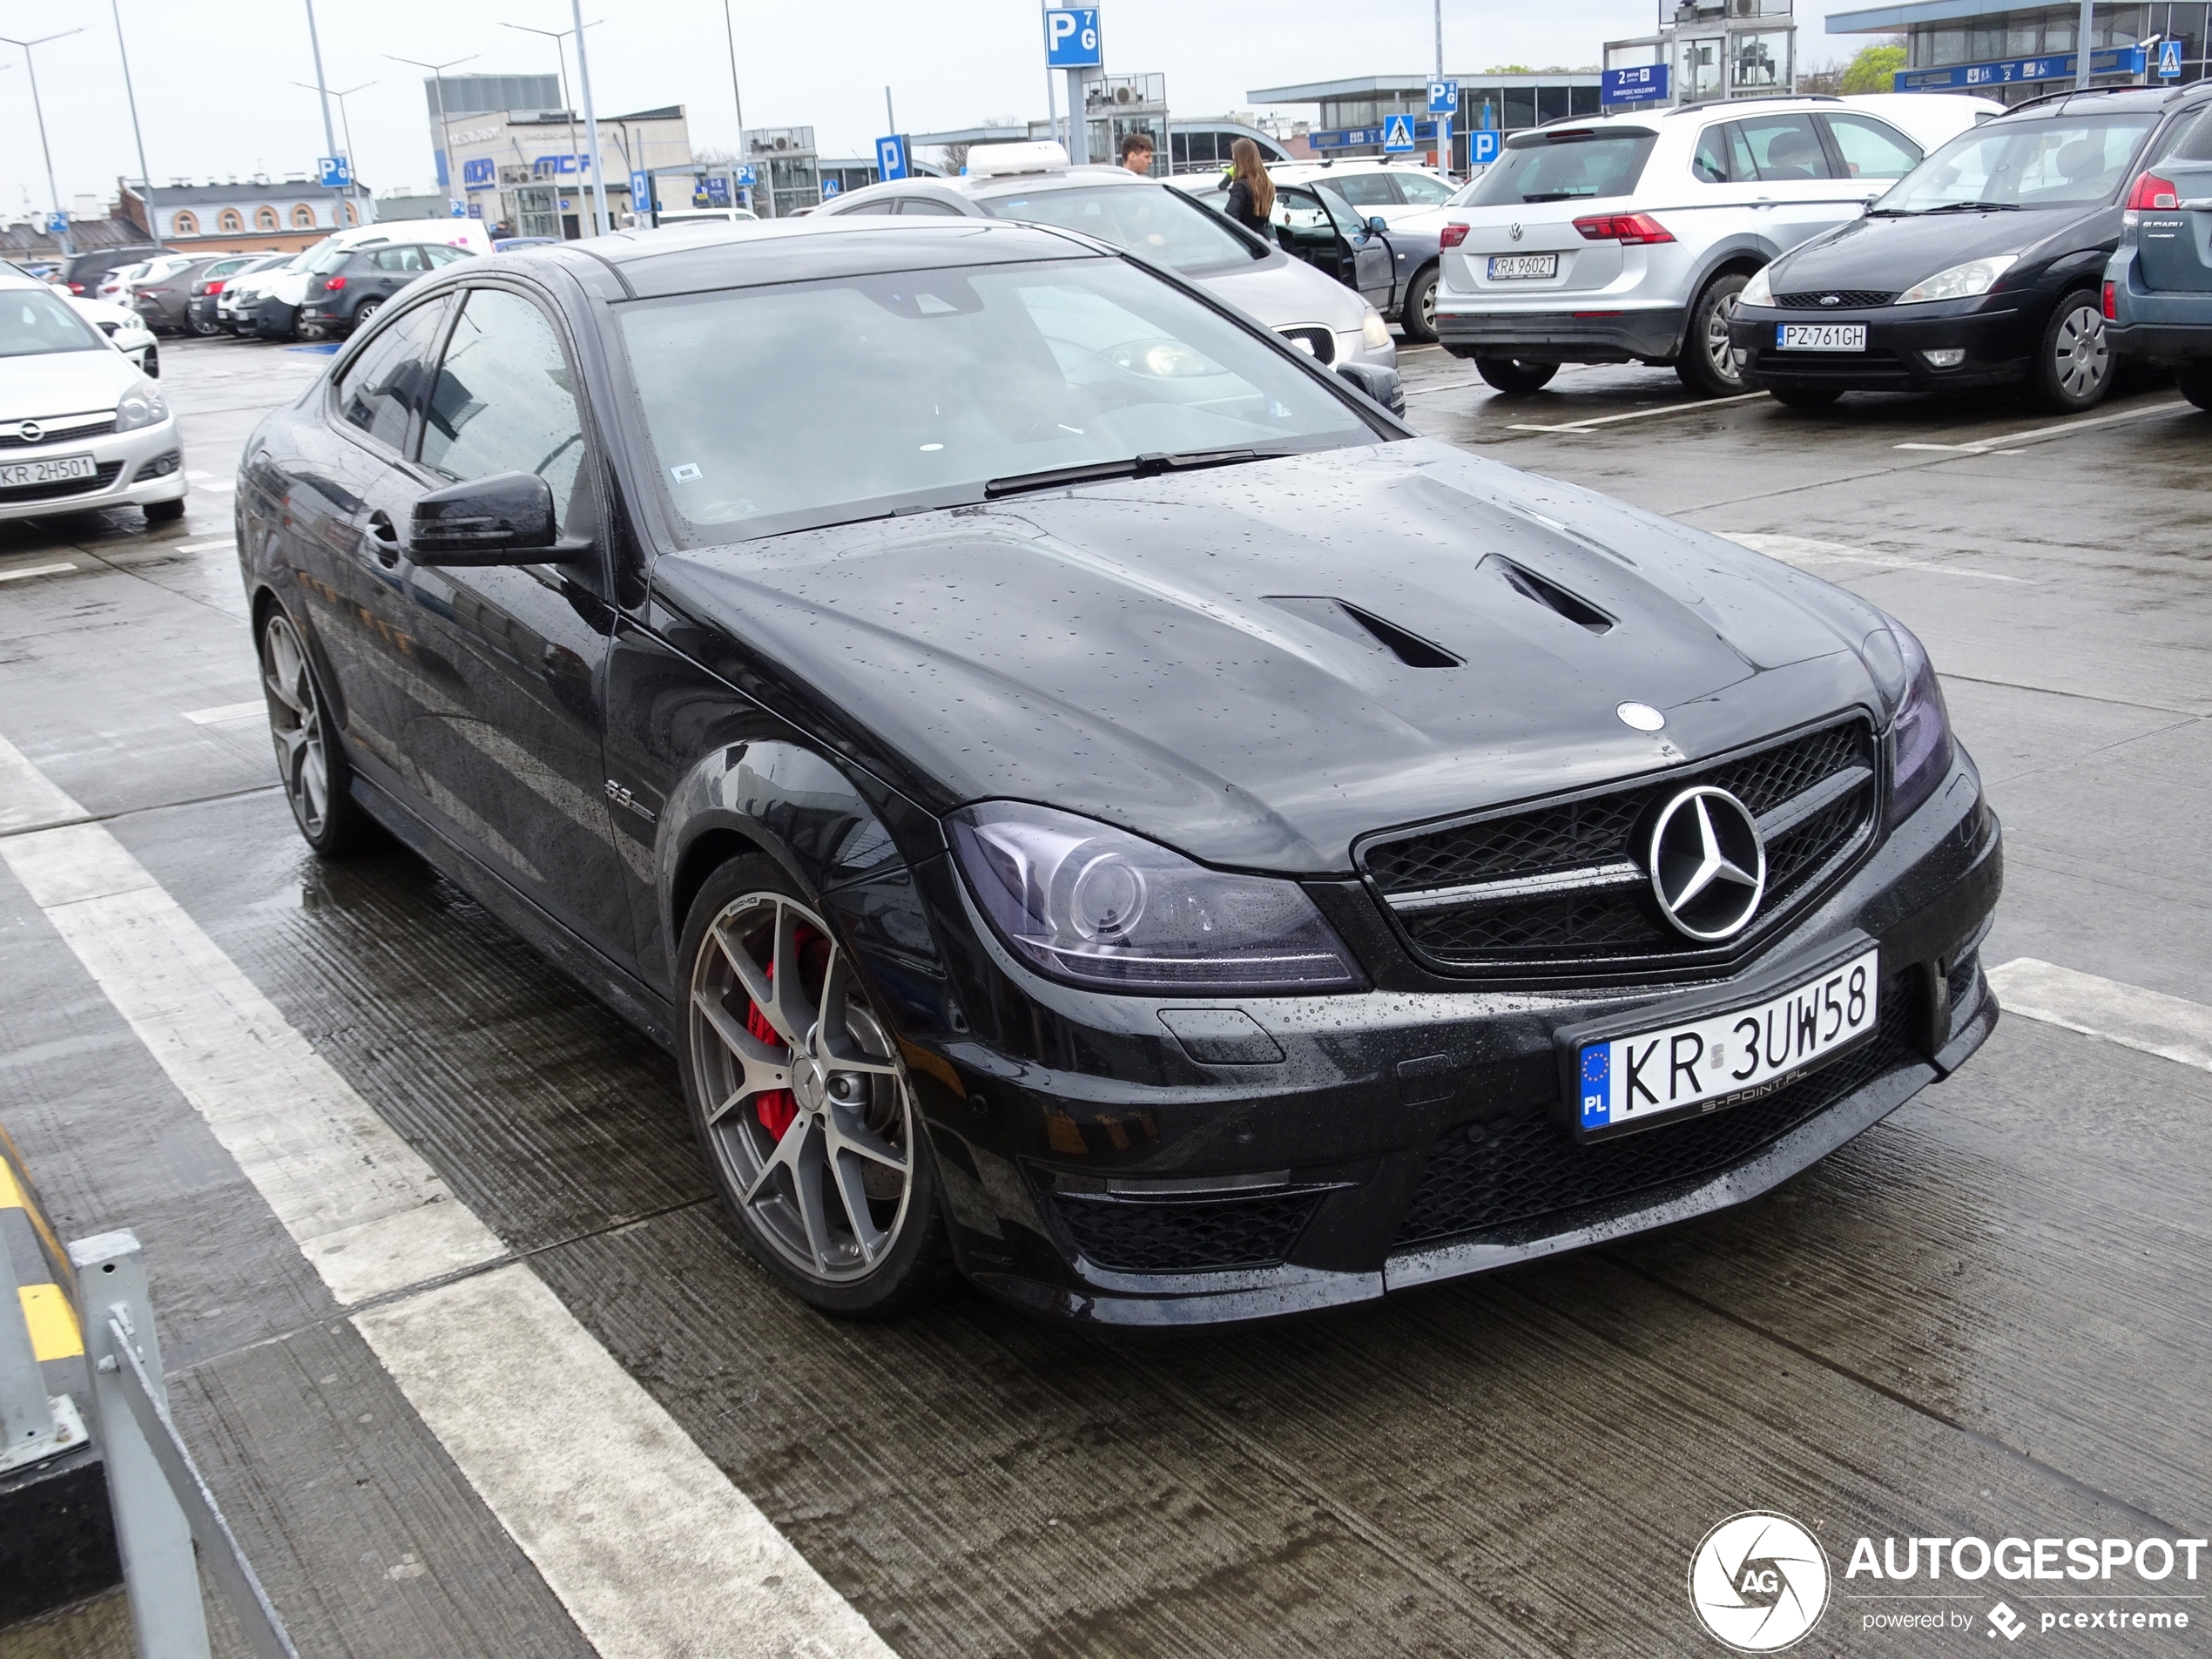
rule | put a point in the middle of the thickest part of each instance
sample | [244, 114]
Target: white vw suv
[1626, 239]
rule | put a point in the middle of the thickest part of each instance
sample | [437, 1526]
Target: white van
[271, 307]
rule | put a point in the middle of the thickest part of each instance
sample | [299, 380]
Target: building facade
[253, 215]
[1351, 112]
[1717, 48]
[2019, 52]
[532, 170]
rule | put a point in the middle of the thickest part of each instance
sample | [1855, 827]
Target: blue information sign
[891, 158]
[716, 190]
[1071, 39]
[2169, 60]
[1353, 138]
[2113, 60]
[1398, 135]
[1482, 146]
[743, 173]
[1645, 84]
[335, 171]
[479, 172]
[1443, 97]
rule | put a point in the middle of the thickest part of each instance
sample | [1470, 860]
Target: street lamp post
[344, 122]
[590, 117]
[61, 219]
[322, 91]
[561, 60]
[130, 96]
[437, 75]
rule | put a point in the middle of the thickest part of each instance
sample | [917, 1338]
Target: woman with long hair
[1252, 192]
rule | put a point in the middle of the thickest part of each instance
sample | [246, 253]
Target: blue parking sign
[1482, 146]
[891, 158]
[334, 173]
[1443, 97]
[641, 193]
[2169, 60]
[1071, 39]
[1398, 135]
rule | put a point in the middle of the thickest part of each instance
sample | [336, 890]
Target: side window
[909, 205]
[1783, 147]
[1871, 149]
[437, 257]
[383, 385]
[503, 400]
[1708, 165]
[1423, 191]
[408, 260]
[1367, 189]
[882, 204]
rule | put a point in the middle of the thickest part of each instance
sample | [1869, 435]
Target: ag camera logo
[1759, 1582]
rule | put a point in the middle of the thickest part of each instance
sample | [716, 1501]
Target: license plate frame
[1506, 267]
[1598, 1061]
[1820, 336]
[29, 474]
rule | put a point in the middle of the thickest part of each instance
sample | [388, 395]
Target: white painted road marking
[1803, 550]
[1642, 414]
[203, 546]
[34, 570]
[2170, 1027]
[228, 712]
[651, 1549]
[2035, 435]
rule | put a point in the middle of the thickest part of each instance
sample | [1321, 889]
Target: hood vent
[1552, 596]
[1341, 617]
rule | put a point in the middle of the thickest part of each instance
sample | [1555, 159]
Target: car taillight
[76, 287]
[1623, 227]
[215, 286]
[2111, 304]
[2153, 192]
[1453, 235]
[331, 285]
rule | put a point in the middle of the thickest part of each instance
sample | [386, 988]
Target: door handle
[384, 536]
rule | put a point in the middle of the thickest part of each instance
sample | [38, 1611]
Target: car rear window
[1161, 224]
[1564, 166]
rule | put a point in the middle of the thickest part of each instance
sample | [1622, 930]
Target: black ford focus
[1094, 802]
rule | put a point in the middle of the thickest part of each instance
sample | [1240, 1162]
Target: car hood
[1892, 254]
[1281, 292]
[1164, 653]
[70, 383]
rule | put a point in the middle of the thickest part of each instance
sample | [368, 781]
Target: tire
[1417, 316]
[2196, 382]
[1804, 397]
[311, 764]
[843, 1117]
[210, 328]
[1511, 375]
[1707, 365]
[164, 512]
[151, 367]
[365, 314]
[2073, 364]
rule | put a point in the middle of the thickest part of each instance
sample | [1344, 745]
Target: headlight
[1373, 329]
[1758, 291]
[1960, 281]
[1094, 906]
[1163, 359]
[1919, 725]
[140, 405]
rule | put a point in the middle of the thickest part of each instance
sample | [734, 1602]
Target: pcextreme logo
[1759, 1582]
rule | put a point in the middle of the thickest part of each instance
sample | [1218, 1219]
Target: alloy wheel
[296, 723]
[806, 1105]
[2082, 357]
[1718, 350]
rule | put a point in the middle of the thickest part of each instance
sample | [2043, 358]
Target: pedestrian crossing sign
[1398, 135]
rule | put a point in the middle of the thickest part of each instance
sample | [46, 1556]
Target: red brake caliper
[776, 1107]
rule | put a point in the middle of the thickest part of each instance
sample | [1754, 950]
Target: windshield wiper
[1975, 207]
[1144, 466]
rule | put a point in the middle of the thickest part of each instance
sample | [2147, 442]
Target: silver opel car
[1033, 181]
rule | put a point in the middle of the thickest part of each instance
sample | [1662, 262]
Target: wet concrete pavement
[1986, 1317]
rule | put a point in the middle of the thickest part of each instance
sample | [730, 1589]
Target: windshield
[1159, 223]
[36, 321]
[1565, 167]
[775, 409]
[2067, 162]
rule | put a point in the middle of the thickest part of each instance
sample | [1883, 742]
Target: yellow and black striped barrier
[41, 1266]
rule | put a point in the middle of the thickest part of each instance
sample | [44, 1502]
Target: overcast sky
[216, 94]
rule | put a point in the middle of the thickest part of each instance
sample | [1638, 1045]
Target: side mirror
[1377, 225]
[505, 519]
[1377, 382]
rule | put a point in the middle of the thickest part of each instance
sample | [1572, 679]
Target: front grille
[1185, 1234]
[1562, 887]
[1870, 370]
[1528, 1167]
[1319, 341]
[52, 437]
[1845, 298]
[108, 473]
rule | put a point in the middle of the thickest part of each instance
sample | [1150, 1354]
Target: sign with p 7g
[334, 173]
[1482, 146]
[1644, 83]
[1071, 39]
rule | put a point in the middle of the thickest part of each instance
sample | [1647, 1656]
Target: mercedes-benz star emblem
[1708, 863]
[1514, 231]
[30, 431]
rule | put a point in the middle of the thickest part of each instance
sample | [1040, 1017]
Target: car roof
[695, 258]
[976, 186]
[2078, 99]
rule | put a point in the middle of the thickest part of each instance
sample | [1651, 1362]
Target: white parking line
[2003, 441]
[34, 570]
[203, 546]
[651, 1549]
[1803, 551]
[2170, 1027]
[226, 712]
[1641, 415]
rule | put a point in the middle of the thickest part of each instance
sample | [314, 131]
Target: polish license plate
[1720, 1060]
[1820, 336]
[56, 470]
[1520, 267]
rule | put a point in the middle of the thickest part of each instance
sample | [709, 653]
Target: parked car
[206, 288]
[705, 215]
[509, 244]
[274, 311]
[112, 287]
[1155, 220]
[80, 426]
[1983, 267]
[1391, 265]
[237, 308]
[126, 328]
[161, 298]
[2157, 292]
[347, 286]
[1092, 800]
[82, 274]
[1392, 191]
[1626, 239]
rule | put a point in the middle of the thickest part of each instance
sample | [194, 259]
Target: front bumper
[1997, 335]
[135, 468]
[1650, 334]
[1287, 1154]
[271, 318]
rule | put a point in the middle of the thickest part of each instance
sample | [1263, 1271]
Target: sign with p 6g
[1703, 1062]
[1071, 39]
